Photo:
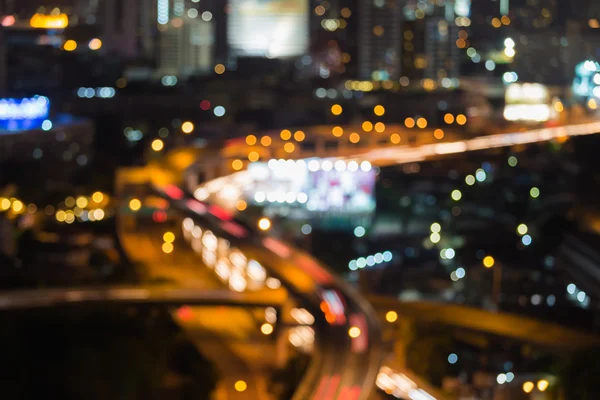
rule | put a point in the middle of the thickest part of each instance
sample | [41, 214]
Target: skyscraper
[186, 38]
[120, 26]
[268, 28]
[379, 40]
[441, 52]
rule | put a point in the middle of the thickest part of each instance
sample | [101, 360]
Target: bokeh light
[391, 316]
[187, 127]
[336, 109]
[488, 261]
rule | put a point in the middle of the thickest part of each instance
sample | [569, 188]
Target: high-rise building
[379, 39]
[186, 39]
[120, 27]
[441, 53]
[268, 28]
[411, 38]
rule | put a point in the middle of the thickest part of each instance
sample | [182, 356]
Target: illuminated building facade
[186, 47]
[186, 37]
[59, 145]
[268, 28]
[25, 113]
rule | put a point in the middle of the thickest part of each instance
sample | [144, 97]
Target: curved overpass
[135, 295]
[342, 367]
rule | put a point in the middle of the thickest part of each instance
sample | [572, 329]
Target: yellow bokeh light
[354, 137]
[4, 204]
[69, 217]
[135, 204]
[496, 23]
[299, 136]
[354, 332]
[219, 69]
[253, 156]
[379, 110]
[319, 10]
[285, 134]
[70, 45]
[17, 206]
[169, 237]
[592, 104]
[157, 145]
[528, 387]
[379, 127]
[505, 20]
[32, 208]
[367, 126]
[187, 127]
[250, 140]
[98, 197]
[522, 229]
[558, 107]
[237, 165]
[61, 216]
[241, 205]
[542, 385]
[461, 119]
[422, 123]
[438, 134]
[448, 118]
[81, 202]
[488, 261]
[265, 141]
[395, 138]
[266, 329]
[167, 248]
[56, 20]
[337, 131]
[264, 224]
[95, 44]
[409, 122]
[345, 12]
[391, 316]
[336, 109]
[378, 30]
[240, 386]
[289, 147]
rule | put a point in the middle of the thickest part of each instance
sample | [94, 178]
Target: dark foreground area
[109, 353]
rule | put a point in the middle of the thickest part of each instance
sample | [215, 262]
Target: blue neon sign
[25, 113]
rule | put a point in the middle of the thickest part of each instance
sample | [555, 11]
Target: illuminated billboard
[528, 102]
[314, 185]
[54, 21]
[26, 113]
[268, 28]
